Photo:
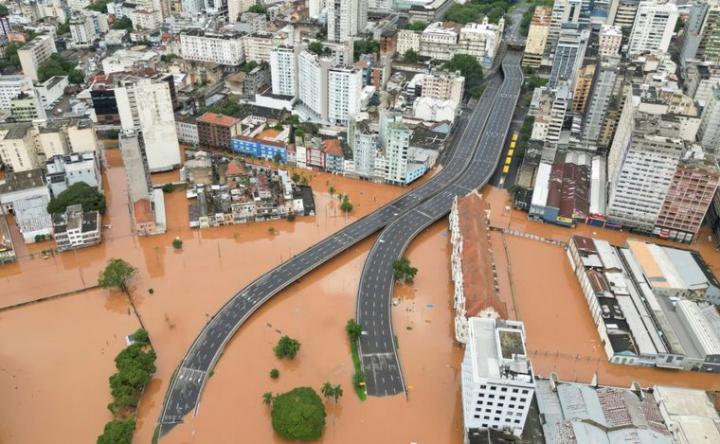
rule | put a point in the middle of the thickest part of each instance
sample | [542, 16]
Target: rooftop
[490, 342]
[218, 119]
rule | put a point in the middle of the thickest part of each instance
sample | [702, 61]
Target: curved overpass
[191, 375]
[378, 348]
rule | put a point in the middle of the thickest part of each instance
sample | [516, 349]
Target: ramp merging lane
[378, 348]
[190, 377]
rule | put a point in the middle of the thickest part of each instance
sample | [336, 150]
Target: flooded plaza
[59, 371]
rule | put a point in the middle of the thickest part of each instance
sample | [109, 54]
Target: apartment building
[82, 30]
[219, 48]
[313, 83]
[709, 130]
[443, 86]
[644, 173]
[583, 88]
[537, 37]
[146, 105]
[345, 19]
[622, 13]
[344, 91]
[609, 40]
[497, 379]
[258, 46]
[76, 228]
[653, 27]
[35, 53]
[481, 40]
[408, 40]
[569, 55]
[17, 146]
[603, 91]
[11, 87]
[701, 40]
[216, 130]
[27, 107]
[689, 196]
[364, 143]
[283, 71]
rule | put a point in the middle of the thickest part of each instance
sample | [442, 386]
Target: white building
[408, 40]
[364, 144]
[443, 85]
[82, 31]
[51, 90]
[439, 40]
[283, 71]
[61, 172]
[434, 110]
[345, 19]
[258, 46]
[481, 40]
[35, 53]
[313, 83]
[497, 377]
[77, 229]
[126, 59]
[220, 48]
[653, 27]
[610, 40]
[709, 131]
[11, 87]
[146, 105]
[237, 7]
[17, 146]
[396, 145]
[344, 90]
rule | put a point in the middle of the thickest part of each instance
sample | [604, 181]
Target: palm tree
[267, 398]
[327, 390]
[337, 392]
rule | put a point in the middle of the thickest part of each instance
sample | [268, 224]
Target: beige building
[17, 146]
[258, 46]
[610, 40]
[537, 37]
[408, 41]
[583, 87]
[35, 53]
[443, 86]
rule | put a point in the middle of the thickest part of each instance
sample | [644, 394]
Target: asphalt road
[378, 348]
[190, 377]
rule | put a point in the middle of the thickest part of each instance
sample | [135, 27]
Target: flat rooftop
[490, 341]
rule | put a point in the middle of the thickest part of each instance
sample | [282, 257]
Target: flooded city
[177, 291]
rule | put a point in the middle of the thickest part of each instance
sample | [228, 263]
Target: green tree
[64, 28]
[116, 274]
[11, 55]
[331, 190]
[4, 11]
[291, 217]
[416, 26]
[76, 77]
[469, 67]
[141, 336]
[287, 347]
[124, 23]
[353, 329]
[367, 46]
[267, 398]
[298, 415]
[78, 193]
[402, 270]
[345, 204]
[177, 243]
[327, 390]
[99, 6]
[274, 373]
[277, 158]
[258, 9]
[318, 48]
[410, 56]
[119, 431]
[337, 392]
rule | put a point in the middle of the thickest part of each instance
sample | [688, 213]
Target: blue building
[263, 149]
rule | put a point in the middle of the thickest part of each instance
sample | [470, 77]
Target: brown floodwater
[55, 360]
[65, 337]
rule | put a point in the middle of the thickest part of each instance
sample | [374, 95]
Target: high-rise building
[609, 40]
[622, 13]
[237, 7]
[583, 87]
[283, 71]
[364, 144]
[220, 48]
[653, 27]
[498, 382]
[709, 131]
[11, 87]
[443, 86]
[145, 105]
[17, 146]
[689, 197]
[603, 90]
[563, 12]
[537, 37]
[345, 19]
[569, 54]
[645, 171]
[344, 89]
[701, 39]
[396, 144]
[313, 82]
[35, 53]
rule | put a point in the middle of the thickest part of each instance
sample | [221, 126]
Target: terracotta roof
[234, 169]
[142, 209]
[332, 147]
[477, 262]
[218, 119]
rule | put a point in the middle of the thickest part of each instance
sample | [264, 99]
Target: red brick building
[216, 130]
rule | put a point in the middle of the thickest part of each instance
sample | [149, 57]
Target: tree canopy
[353, 329]
[367, 46]
[298, 414]
[123, 23]
[402, 270]
[117, 432]
[475, 11]
[4, 11]
[58, 65]
[416, 26]
[410, 56]
[258, 9]
[116, 274]
[78, 193]
[99, 6]
[470, 68]
[287, 347]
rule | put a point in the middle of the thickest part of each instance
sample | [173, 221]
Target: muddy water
[547, 298]
[315, 312]
[55, 360]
